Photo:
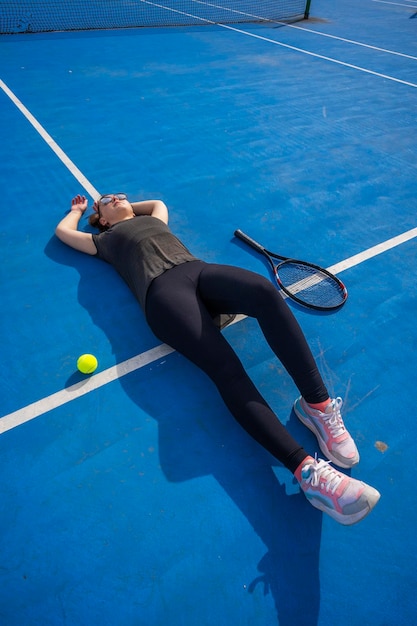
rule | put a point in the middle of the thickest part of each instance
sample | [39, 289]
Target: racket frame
[284, 260]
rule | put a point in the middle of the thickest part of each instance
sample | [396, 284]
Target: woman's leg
[235, 290]
[177, 315]
[180, 315]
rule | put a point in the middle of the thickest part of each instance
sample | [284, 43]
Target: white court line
[321, 56]
[354, 42]
[284, 45]
[309, 30]
[81, 388]
[398, 4]
[51, 143]
[372, 252]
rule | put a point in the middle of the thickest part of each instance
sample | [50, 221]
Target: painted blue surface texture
[142, 502]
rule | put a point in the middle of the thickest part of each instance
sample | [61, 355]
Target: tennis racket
[305, 283]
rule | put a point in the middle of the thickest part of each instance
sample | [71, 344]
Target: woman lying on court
[181, 295]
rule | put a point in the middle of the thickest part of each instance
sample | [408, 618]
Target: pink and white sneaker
[334, 440]
[345, 499]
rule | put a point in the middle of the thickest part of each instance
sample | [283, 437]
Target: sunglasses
[109, 197]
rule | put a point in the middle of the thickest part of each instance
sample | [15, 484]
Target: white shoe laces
[322, 475]
[334, 419]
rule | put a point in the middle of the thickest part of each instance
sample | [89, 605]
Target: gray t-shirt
[140, 249]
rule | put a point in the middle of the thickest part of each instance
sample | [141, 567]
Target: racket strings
[310, 285]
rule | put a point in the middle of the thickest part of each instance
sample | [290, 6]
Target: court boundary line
[59, 398]
[322, 57]
[310, 30]
[353, 41]
[288, 46]
[397, 4]
[70, 165]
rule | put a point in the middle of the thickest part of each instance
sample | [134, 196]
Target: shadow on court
[198, 437]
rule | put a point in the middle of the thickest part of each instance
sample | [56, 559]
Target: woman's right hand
[79, 203]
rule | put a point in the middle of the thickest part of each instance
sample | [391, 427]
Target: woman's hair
[94, 220]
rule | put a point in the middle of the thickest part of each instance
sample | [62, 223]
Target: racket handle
[251, 242]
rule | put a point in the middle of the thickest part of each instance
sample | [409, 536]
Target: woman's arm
[156, 208]
[67, 229]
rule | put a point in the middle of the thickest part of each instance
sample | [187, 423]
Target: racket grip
[251, 242]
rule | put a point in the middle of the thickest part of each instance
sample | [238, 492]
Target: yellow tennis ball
[87, 363]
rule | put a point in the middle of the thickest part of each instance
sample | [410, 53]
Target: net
[31, 16]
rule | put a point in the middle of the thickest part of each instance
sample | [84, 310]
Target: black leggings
[180, 306]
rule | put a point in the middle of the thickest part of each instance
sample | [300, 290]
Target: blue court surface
[131, 497]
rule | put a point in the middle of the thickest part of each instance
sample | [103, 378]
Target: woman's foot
[334, 440]
[345, 499]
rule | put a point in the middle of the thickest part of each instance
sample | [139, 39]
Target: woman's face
[114, 207]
